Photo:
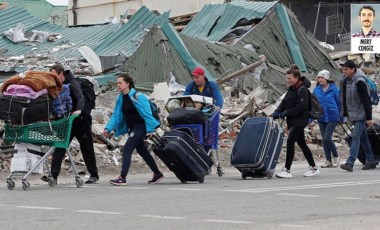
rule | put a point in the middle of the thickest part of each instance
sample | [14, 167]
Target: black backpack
[315, 108]
[88, 93]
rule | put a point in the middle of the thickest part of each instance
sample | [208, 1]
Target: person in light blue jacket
[132, 115]
[328, 96]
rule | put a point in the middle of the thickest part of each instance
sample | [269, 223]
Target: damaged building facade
[249, 43]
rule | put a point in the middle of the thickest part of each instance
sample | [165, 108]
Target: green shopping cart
[55, 134]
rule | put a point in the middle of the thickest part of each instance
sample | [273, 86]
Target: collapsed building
[245, 46]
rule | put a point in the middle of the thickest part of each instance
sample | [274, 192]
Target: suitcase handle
[344, 129]
[155, 139]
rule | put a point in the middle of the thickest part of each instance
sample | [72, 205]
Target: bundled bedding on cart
[29, 98]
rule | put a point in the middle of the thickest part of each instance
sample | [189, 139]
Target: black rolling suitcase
[183, 156]
[374, 138]
[22, 110]
[257, 147]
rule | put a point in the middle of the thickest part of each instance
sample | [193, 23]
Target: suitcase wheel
[219, 171]
[243, 176]
[183, 181]
[201, 180]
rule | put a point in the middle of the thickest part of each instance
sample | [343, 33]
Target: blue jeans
[360, 138]
[327, 130]
[136, 141]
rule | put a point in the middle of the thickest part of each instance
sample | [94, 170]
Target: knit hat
[325, 74]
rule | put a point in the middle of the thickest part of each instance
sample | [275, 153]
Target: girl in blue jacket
[328, 96]
[132, 115]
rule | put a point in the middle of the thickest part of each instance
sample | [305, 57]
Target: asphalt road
[332, 200]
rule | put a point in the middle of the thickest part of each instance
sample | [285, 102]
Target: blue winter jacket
[142, 104]
[210, 90]
[329, 100]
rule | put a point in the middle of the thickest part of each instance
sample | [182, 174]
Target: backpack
[315, 108]
[154, 109]
[62, 104]
[372, 91]
[88, 93]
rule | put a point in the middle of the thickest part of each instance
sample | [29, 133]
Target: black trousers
[81, 129]
[297, 134]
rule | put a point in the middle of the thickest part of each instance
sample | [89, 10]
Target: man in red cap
[202, 86]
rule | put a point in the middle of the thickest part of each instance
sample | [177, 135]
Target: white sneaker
[284, 173]
[336, 161]
[312, 171]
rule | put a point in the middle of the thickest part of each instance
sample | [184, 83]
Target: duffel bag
[186, 116]
[22, 110]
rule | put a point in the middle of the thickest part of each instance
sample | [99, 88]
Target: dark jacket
[75, 91]
[329, 100]
[296, 104]
[211, 89]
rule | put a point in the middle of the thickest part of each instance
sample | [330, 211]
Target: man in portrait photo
[366, 18]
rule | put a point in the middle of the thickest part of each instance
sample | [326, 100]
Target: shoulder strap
[298, 91]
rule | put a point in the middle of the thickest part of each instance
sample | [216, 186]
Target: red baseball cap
[198, 71]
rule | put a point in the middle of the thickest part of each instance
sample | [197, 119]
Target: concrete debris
[18, 35]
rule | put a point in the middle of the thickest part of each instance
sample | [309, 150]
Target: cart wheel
[11, 184]
[243, 176]
[183, 182]
[219, 171]
[201, 180]
[52, 182]
[79, 182]
[25, 185]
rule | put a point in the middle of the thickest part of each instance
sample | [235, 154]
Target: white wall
[94, 11]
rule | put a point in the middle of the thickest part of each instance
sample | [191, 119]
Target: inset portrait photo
[365, 28]
[365, 23]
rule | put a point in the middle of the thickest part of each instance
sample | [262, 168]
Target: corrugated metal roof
[9, 17]
[214, 22]
[155, 59]
[219, 59]
[129, 37]
[315, 56]
[43, 10]
[268, 39]
[72, 38]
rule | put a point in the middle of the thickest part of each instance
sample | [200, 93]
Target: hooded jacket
[296, 104]
[141, 102]
[75, 91]
[329, 100]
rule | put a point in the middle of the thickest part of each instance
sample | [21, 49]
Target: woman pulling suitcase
[132, 115]
[295, 108]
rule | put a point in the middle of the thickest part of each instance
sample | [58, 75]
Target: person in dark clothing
[132, 115]
[295, 108]
[81, 129]
[356, 106]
